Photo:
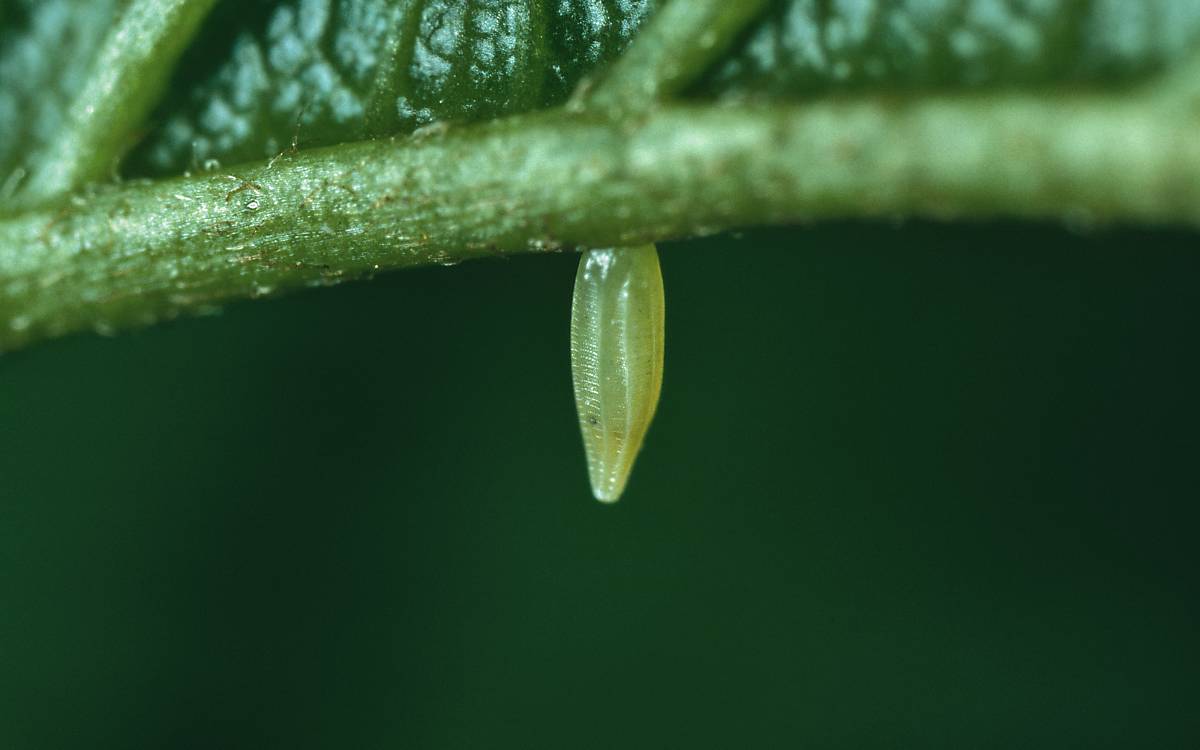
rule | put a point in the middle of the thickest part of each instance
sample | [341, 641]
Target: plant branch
[143, 252]
[130, 71]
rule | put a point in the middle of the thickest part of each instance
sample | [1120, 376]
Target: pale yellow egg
[617, 324]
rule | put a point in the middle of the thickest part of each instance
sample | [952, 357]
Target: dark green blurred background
[908, 487]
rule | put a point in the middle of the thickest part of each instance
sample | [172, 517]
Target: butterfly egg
[617, 318]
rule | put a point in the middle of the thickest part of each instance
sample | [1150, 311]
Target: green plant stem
[129, 73]
[142, 252]
[676, 47]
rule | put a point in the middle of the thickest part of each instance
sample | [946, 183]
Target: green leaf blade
[806, 47]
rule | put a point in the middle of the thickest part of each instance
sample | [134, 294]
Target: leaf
[347, 69]
[806, 46]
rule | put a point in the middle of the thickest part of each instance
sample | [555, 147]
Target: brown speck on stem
[246, 185]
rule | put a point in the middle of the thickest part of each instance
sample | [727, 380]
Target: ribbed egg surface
[617, 325]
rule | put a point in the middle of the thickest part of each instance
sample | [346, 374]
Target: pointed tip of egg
[608, 482]
[608, 497]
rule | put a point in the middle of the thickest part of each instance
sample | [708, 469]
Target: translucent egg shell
[617, 323]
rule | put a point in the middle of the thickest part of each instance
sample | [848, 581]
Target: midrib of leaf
[140, 253]
[553, 180]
